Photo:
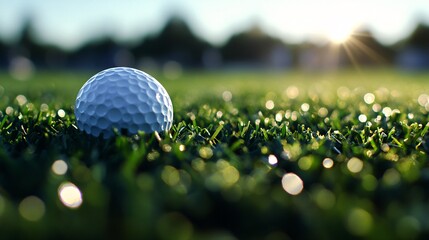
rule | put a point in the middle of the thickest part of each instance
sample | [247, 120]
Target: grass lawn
[251, 155]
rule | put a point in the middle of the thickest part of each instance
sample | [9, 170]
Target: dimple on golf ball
[125, 99]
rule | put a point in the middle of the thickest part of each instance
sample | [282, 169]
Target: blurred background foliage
[176, 47]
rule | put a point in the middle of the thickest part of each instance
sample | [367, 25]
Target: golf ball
[124, 98]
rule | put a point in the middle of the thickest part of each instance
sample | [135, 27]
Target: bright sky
[70, 23]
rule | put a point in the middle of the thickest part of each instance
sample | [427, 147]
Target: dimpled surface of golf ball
[125, 99]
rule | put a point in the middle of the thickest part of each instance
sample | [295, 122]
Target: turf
[219, 172]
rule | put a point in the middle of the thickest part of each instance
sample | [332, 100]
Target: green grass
[210, 177]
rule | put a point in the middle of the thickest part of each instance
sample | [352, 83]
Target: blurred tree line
[253, 48]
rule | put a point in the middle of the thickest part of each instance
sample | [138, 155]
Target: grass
[219, 173]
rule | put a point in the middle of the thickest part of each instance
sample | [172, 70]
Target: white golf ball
[124, 98]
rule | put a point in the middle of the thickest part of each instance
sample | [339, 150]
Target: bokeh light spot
[369, 182]
[391, 177]
[408, 227]
[170, 175]
[206, 152]
[269, 104]
[279, 117]
[59, 167]
[369, 98]
[182, 148]
[292, 184]
[305, 107]
[355, 165]
[227, 96]
[2, 205]
[292, 92]
[376, 107]
[70, 195]
[324, 198]
[359, 222]
[272, 159]
[328, 163]
[322, 112]
[31, 208]
[423, 99]
[305, 163]
[387, 111]
[21, 99]
[362, 118]
[61, 113]
[174, 224]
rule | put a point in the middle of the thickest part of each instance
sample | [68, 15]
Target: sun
[339, 37]
[339, 34]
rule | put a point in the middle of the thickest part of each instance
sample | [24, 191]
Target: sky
[69, 24]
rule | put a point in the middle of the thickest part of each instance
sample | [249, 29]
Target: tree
[364, 49]
[176, 42]
[252, 46]
[98, 54]
[3, 55]
[419, 38]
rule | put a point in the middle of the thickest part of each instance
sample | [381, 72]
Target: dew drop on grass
[61, 113]
[362, 118]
